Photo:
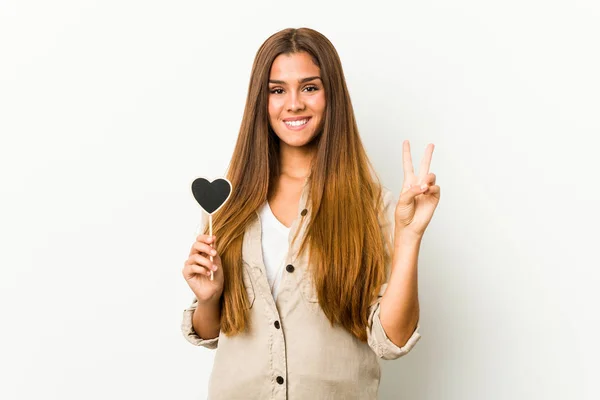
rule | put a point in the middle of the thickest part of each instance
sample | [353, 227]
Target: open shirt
[291, 351]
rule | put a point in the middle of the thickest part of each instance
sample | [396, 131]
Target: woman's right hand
[196, 270]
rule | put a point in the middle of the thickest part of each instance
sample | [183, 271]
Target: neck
[295, 162]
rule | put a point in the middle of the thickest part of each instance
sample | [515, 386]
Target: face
[296, 98]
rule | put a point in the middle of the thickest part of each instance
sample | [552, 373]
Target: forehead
[293, 66]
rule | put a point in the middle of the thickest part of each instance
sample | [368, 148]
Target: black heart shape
[211, 195]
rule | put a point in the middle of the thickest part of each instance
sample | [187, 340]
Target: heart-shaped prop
[211, 195]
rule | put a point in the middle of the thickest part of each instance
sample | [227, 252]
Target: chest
[283, 201]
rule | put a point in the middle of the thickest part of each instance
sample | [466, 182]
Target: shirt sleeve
[376, 336]
[187, 328]
[378, 339]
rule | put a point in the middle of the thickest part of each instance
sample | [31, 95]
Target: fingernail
[213, 252]
[423, 187]
[214, 267]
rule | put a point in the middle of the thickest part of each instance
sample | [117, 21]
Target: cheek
[274, 108]
[318, 104]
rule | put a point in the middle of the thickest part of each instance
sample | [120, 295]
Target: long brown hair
[347, 255]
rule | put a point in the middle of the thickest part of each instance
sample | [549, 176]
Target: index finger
[203, 239]
[426, 162]
[407, 161]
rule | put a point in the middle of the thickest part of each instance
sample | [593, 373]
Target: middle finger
[203, 261]
[426, 162]
[199, 247]
[429, 179]
[407, 161]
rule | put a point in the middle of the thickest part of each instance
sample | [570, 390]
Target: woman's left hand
[420, 195]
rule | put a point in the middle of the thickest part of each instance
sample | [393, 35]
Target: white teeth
[296, 123]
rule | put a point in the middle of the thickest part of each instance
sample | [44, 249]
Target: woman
[308, 242]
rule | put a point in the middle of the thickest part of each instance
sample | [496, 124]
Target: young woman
[315, 264]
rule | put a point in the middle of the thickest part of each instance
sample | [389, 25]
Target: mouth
[296, 124]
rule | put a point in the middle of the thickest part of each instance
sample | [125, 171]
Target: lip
[295, 118]
[296, 128]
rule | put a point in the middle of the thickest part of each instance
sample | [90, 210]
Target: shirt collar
[252, 245]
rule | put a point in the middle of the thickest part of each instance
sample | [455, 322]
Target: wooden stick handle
[212, 276]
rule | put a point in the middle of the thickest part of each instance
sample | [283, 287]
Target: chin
[297, 141]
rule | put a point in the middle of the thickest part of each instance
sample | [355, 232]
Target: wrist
[211, 301]
[406, 237]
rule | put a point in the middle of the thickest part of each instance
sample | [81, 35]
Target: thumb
[409, 196]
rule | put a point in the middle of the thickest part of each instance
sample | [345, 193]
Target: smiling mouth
[297, 123]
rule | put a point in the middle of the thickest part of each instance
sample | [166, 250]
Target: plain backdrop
[109, 110]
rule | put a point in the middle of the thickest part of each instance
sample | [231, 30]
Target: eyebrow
[303, 80]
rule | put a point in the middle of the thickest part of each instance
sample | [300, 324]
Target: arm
[394, 320]
[418, 201]
[201, 320]
[207, 319]
[400, 282]
[399, 312]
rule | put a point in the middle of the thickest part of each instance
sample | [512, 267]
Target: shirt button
[280, 380]
[289, 268]
[277, 324]
[303, 213]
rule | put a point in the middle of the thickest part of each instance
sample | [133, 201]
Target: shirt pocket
[247, 279]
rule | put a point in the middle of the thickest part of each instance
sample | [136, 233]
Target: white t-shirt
[275, 245]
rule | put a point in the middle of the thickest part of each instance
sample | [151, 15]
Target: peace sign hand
[419, 197]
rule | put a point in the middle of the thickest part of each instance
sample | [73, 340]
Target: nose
[294, 102]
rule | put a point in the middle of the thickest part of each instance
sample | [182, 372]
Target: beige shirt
[291, 351]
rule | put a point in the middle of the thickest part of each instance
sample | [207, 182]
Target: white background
[109, 109]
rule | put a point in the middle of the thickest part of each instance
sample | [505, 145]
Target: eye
[276, 91]
[313, 88]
